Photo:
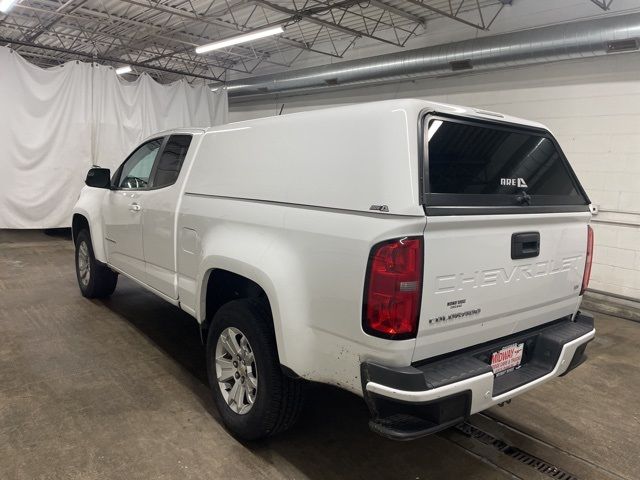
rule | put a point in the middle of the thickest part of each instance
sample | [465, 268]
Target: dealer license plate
[507, 359]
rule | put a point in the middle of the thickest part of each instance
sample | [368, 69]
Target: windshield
[478, 163]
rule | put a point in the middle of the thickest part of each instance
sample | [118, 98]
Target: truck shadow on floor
[331, 439]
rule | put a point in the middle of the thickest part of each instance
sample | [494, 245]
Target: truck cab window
[170, 161]
[136, 170]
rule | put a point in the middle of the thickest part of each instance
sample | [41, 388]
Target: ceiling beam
[125, 41]
[445, 14]
[103, 58]
[603, 4]
[172, 36]
[219, 23]
[92, 38]
[398, 12]
[308, 16]
[50, 24]
[345, 7]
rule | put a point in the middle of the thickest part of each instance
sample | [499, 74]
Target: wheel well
[78, 224]
[224, 286]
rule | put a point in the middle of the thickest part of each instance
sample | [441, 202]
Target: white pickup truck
[428, 257]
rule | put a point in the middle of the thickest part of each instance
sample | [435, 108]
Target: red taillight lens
[393, 288]
[589, 259]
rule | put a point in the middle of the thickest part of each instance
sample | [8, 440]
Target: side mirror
[98, 178]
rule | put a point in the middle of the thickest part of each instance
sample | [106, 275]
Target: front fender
[89, 205]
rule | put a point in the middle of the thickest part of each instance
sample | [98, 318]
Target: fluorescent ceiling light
[5, 5]
[123, 70]
[247, 37]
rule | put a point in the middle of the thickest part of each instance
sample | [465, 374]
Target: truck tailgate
[505, 242]
[474, 291]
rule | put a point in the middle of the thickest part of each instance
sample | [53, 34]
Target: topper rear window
[475, 163]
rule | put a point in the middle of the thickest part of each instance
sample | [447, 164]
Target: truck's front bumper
[414, 401]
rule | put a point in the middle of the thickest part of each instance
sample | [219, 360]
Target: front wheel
[95, 279]
[253, 396]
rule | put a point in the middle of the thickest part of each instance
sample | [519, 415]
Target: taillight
[588, 260]
[393, 288]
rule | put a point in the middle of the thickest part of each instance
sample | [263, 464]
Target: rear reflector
[393, 288]
[587, 264]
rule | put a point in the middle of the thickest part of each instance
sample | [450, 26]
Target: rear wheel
[95, 279]
[253, 396]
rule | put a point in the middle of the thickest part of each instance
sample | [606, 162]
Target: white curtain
[55, 123]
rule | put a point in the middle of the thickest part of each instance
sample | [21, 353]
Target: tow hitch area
[426, 397]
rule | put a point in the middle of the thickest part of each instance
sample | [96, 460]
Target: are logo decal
[513, 182]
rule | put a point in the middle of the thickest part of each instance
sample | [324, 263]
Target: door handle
[134, 207]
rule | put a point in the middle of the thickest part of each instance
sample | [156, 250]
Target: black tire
[102, 280]
[279, 398]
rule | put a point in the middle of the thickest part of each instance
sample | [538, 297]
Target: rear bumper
[414, 401]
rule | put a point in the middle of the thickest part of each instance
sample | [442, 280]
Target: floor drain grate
[515, 453]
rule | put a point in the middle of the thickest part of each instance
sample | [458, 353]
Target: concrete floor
[117, 389]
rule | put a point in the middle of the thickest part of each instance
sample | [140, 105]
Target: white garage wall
[592, 106]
